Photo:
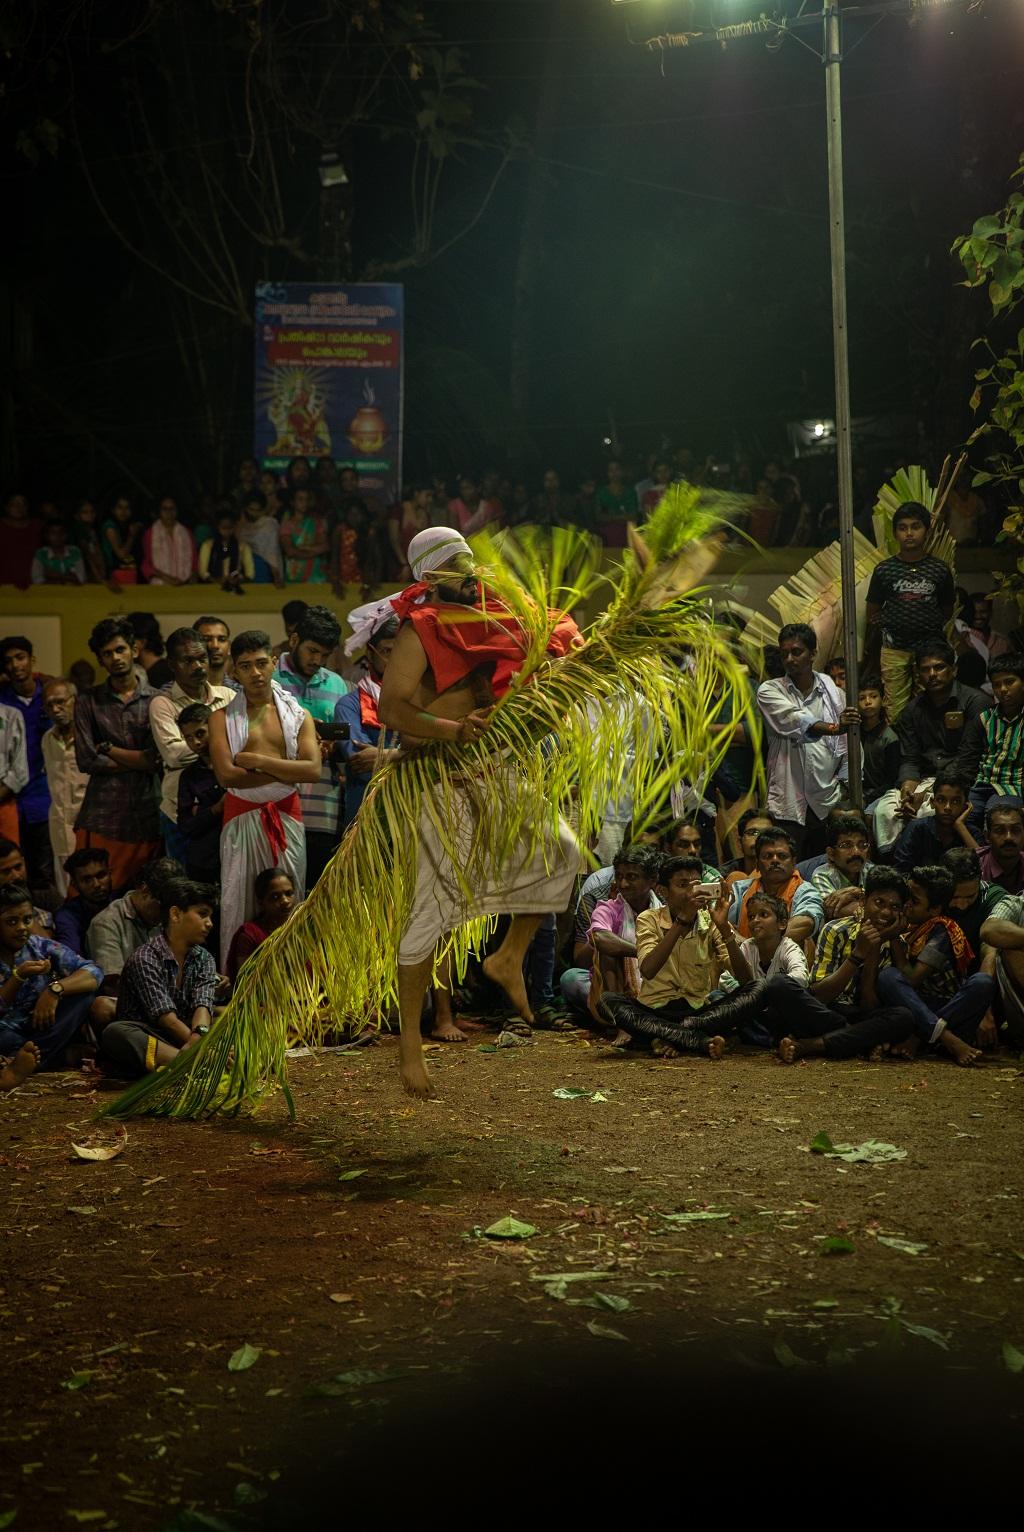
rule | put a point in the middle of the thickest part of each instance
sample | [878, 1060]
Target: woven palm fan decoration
[553, 749]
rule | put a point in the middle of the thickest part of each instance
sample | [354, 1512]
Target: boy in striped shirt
[992, 753]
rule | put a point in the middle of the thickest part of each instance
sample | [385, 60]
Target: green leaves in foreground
[244, 1357]
[870, 1152]
[694, 1217]
[509, 1228]
[836, 1245]
[1013, 1360]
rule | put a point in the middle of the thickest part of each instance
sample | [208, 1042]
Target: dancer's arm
[399, 708]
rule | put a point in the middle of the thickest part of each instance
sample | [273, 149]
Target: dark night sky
[680, 259]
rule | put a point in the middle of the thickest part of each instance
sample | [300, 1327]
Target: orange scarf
[785, 894]
[963, 952]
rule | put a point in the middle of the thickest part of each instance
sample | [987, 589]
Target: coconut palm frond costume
[553, 752]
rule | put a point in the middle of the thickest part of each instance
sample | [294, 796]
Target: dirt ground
[400, 1348]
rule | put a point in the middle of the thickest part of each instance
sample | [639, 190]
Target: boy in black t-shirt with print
[910, 598]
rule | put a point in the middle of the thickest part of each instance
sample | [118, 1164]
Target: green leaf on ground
[1013, 1360]
[85, 1212]
[248, 1494]
[487, 1048]
[836, 1245]
[570, 1276]
[908, 1246]
[871, 1152]
[599, 1095]
[694, 1217]
[927, 1333]
[244, 1357]
[787, 1357]
[77, 1380]
[825, 1303]
[510, 1228]
[350, 1175]
[351, 1382]
[604, 1332]
[569, 1092]
[614, 1302]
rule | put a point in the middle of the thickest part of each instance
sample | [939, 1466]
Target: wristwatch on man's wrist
[56, 988]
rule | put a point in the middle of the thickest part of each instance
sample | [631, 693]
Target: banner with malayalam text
[328, 378]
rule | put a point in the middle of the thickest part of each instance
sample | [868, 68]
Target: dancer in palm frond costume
[513, 723]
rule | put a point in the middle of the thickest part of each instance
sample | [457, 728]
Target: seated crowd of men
[125, 810]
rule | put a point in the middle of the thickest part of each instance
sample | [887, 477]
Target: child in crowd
[275, 896]
[610, 950]
[910, 599]
[880, 745]
[922, 842]
[841, 1014]
[768, 950]
[45, 989]
[200, 798]
[931, 973]
[992, 754]
[165, 998]
[973, 899]
[683, 949]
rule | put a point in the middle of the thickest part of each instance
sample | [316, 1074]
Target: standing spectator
[165, 997]
[979, 613]
[89, 891]
[86, 538]
[200, 798]
[358, 710]
[13, 770]
[879, 743]
[931, 732]
[910, 600]
[297, 478]
[274, 894]
[303, 673]
[304, 541]
[21, 535]
[751, 823]
[216, 637]
[273, 499]
[121, 541]
[45, 990]
[794, 524]
[248, 480]
[263, 746]
[806, 719]
[186, 655]
[327, 486]
[23, 691]
[259, 531]
[226, 558]
[468, 509]
[357, 556]
[66, 783]
[410, 516]
[615, 505]
[114, 748]
[551, 508]
[57, 562]
[150, 649]
[168, 548]
[661, 479]
[963, 510]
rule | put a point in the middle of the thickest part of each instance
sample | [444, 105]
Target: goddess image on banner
[328, 378]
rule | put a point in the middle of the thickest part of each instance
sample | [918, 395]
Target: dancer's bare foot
[715, 1047]
[24, 1063]
[446, 1032]
[962, 1053]
[413, 1071]
[508, 973]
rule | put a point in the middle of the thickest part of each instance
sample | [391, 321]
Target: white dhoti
[538, 880]
[888, 819]
[256, 836]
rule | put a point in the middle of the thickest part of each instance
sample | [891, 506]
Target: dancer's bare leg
[443, 1028]
[413, 979]
[505, 967]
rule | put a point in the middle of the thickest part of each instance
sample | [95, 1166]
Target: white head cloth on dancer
[433, 548]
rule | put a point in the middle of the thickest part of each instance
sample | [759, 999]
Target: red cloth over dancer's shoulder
[460, 639]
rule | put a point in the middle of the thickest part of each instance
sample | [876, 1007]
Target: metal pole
[844, 456]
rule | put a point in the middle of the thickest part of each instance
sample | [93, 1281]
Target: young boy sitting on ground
[165, 998]
[922, 842]
[931, 972]
[683, 950]
[45, 991]
[768, 950]
[611, 938]
[841, 1013]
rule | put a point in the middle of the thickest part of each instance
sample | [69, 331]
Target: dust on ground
[348, 1248]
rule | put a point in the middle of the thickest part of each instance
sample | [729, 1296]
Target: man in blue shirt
[22, 690]
[90, 891]
[45, 989]
[303, 672]
[358, 711]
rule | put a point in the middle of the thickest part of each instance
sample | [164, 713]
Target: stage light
[819, 429]
[607, 440]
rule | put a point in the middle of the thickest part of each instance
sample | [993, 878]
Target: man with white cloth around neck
[452, 660]
[262, 745]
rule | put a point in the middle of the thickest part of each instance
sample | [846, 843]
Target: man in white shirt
[65, 781]
[806, 720]
[186, 655]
